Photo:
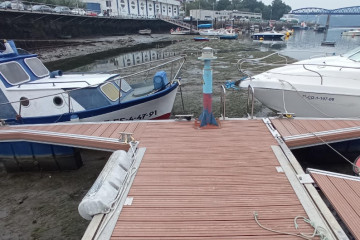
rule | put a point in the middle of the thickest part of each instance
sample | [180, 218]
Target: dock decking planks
[204, 184]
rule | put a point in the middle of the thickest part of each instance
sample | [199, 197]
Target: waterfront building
[139, 8]
[201, 14]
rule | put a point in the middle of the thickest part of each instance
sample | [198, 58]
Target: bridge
[322, 11]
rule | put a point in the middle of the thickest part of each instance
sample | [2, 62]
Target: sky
[328, 4]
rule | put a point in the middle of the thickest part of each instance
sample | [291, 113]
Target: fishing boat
[270, 35]
[31, 94]
[323, 87]
[179, 31]
[145, 31]
[200, 39]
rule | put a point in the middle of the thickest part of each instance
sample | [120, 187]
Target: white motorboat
[351, 33]
[211, 32]
[179, 31]
[323, 87]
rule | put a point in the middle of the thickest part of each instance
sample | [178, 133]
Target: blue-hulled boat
[30, 93]
[271, 35]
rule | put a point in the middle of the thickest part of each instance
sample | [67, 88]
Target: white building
[140, 8]
[200, 14]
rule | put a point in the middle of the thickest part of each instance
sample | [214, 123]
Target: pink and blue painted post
[207, 117]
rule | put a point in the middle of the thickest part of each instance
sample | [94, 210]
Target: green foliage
[273, 11]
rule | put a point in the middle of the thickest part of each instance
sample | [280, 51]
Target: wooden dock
[343, 192]
[209, 183]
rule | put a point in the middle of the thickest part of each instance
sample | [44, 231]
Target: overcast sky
[328, 4]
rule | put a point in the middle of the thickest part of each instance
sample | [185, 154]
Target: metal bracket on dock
[126, 137]
[286, 115]
[305, 178]
[185, 116]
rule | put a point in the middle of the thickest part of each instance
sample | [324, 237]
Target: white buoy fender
[105, 189]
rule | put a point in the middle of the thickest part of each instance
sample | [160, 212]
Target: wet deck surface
[301, 132]
[344, 195]
[206, 184]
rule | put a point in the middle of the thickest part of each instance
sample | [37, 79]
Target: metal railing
[259, 64]
[223, 102]
[251, 91]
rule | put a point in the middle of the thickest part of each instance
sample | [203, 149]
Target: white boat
[323, 87]
[228, 34]
[352, 33]
[210, 32]
[30, 94]
[179, 31]
[145, 31]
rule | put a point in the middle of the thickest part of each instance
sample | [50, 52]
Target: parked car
[41, 8]
[78, 11]
[91, 13]
[62, 9]
[16, 5]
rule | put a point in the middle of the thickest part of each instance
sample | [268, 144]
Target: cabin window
[133, 5]
[125, 87]
[13, 73]
[37, 67]
[110, 91]
[150, 7]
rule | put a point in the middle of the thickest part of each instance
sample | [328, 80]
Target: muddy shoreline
[72, 50]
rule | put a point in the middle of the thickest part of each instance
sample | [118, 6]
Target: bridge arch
[355, 10]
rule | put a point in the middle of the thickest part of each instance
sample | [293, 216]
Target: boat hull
[156, 106]
[309, 104]
[276, 37]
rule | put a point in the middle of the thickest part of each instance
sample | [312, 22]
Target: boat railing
[53, 83]
[258, 62]
[258, 65]
[173, 78]
[223, 102]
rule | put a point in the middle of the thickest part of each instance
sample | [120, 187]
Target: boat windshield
[13, 73]
[37, 67]
[353, 54]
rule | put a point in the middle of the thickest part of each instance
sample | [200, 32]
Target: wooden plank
[339, 202]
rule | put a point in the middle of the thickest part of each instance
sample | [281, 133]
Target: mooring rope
[318, 231]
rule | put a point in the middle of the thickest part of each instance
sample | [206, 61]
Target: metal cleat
[286, 115]
[125, 137]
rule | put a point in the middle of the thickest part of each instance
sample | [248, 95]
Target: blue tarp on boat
[207, 25]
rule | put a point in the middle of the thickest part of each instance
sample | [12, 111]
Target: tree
[279, 9]
[223, 5]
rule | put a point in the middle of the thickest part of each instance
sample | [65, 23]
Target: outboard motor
[160, 80]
